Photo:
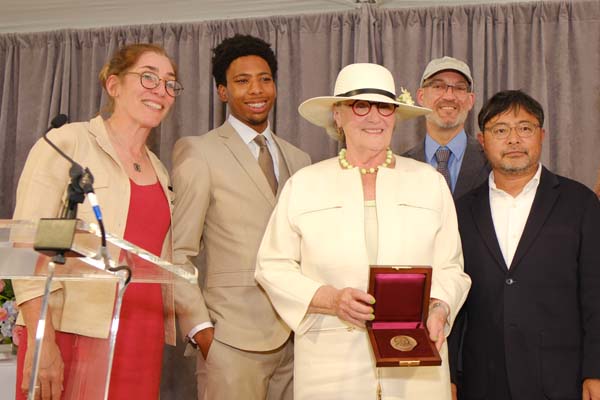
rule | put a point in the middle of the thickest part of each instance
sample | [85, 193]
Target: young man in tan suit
[226, 184]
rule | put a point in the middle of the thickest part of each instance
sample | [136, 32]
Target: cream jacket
[316, 237]
[81, 307]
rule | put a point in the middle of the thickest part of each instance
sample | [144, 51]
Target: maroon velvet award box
[398, 334]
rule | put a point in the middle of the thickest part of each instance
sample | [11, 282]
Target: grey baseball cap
[444, 64]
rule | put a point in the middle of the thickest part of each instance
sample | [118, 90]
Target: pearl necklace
[346, 165]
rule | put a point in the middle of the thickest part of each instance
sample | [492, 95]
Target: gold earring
[340, 133]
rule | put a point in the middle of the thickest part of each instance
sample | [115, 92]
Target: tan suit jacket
[86, 307]
[222, 206]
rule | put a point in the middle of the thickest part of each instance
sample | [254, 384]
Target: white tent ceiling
[45, 15]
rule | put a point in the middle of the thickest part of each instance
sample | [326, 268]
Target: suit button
[509, 281]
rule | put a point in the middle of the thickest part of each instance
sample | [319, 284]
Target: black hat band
[368, 91]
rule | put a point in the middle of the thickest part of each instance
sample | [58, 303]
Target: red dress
[138, 353]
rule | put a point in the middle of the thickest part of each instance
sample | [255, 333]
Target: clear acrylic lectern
[89, 375]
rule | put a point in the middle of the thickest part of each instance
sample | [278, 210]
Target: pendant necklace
[137, 167]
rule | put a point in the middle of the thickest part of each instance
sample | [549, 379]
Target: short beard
[258, 122]
[434, 119]
[515, 170]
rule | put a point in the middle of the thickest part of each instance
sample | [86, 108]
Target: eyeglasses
[363, 107]
[523, 129]
[439, 88]
[150, 80]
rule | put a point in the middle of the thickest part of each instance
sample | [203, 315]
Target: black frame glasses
[523, 129]
[361, 108]
[439, 87]
[149, 80]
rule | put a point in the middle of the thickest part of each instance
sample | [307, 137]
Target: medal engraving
[403, 343]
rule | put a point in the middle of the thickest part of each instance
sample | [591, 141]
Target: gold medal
[403, 343]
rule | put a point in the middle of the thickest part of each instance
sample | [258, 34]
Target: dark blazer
[533, 331]
[474, 169]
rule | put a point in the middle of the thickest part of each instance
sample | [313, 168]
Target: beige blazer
[222, 205]
[316, 237]
[86, 307]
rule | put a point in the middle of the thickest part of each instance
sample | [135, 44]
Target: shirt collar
[457, 146]
[531, 185]
[248, 134]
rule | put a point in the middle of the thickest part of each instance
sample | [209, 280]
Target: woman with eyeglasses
[336, 218]
[132, 187]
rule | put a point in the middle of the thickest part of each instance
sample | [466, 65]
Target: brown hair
[122, 60]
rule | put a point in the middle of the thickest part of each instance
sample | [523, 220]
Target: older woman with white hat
[337, 217]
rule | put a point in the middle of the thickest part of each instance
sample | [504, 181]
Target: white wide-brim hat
[361, 81]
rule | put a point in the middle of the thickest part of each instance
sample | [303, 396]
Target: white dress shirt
[248, 134]
[510, 213]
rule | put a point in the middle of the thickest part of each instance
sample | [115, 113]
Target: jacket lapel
[242, 154]
[98, 130]
[418, 152]
[542, 205]
[471, 168]
[482, 217]
[285, 167]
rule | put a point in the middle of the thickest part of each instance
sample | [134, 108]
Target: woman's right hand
[349, 304]
[49, 384]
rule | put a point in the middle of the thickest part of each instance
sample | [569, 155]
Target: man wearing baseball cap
[447, 88]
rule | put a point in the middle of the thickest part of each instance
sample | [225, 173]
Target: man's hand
[591, 389]
[204, 339]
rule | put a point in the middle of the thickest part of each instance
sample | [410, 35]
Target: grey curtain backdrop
[550, 49]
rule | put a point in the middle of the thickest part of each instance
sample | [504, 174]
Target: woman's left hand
[438, 317]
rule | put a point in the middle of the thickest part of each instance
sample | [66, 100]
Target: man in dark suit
[530, 242]
[447, 88]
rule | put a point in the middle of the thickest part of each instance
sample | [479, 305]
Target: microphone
[81, 178]
[81, 185]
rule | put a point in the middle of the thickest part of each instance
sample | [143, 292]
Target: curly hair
[240, 46]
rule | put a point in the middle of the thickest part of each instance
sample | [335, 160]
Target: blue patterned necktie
[442, 155]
